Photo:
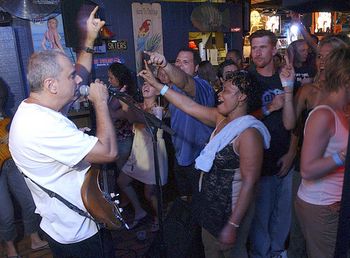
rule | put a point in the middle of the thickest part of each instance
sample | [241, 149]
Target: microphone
[84, 90]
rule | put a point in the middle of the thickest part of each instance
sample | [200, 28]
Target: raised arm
[178, 77]
[306, 35]
[287, 76]
[93, 26]
[205, 114]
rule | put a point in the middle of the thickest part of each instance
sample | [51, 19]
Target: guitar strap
[64, 201]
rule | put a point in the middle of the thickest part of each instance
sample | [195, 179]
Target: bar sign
[117, 45]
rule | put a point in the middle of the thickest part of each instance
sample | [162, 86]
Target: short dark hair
[236, 51]
[223, 65]
[264, 33]
[196, 56]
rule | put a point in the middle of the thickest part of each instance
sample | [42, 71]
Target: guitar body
[4, 141]
[104, 211]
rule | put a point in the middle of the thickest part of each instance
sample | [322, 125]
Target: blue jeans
[272, 219]
[12, 181]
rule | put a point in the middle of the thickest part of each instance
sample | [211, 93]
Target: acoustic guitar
[4, 141]
[99, 204]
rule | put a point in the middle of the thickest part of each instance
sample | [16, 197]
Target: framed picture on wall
[49, 34]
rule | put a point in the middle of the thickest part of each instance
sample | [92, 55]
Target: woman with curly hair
[230, 164]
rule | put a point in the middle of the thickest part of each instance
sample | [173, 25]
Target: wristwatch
[89, 50]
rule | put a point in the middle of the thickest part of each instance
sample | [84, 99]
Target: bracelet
[164, 90]
[233, 224]
[265, 111]
[338, 161]
[289, 84]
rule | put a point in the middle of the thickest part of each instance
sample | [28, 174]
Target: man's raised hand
[156, 59]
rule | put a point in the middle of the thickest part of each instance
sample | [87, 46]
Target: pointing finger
[92, 14]
[147, 66]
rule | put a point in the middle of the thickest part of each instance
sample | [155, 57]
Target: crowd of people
[259, 149]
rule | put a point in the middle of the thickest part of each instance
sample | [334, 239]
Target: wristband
[265, 111]
[233, 224]
[336, 158]
[289, 84]
[164, 90]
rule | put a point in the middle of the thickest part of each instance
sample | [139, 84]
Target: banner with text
[148, 33]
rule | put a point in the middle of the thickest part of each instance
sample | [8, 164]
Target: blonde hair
[337, 69]
[334, 42]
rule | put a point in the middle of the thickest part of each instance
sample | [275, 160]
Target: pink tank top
[328, 189]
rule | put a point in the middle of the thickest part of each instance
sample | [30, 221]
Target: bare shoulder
[250, 138]
[323, 113]
[321, 119]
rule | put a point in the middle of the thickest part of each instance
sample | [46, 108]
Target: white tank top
[328, 189]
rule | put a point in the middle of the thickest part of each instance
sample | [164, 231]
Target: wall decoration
[49, 34]
[148, 34]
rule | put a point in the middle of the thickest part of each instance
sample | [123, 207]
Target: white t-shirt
[49, 149]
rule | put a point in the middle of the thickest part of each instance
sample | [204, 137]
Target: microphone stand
[153, 123]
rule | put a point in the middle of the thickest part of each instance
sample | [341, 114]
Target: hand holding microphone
[84, 90]
[97, 92]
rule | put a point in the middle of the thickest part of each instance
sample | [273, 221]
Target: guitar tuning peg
[112, 194]
[120, 210]
[116, 201]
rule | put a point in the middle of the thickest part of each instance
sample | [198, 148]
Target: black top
[280, 137]
[301, 73]
[214, 202]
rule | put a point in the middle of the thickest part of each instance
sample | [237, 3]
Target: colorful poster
[49, 34]
[148, 34]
